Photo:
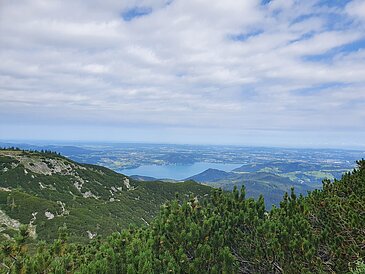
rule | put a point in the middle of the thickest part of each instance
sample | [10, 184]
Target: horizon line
[115, 142]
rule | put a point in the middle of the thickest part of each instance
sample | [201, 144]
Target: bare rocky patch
[8, 222]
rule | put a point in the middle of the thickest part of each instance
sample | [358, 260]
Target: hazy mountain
[209, 175]
[280, 166]
[272, 186]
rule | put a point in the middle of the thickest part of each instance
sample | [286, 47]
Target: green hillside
[270, 185]
[273, 178]
[47, 191]
[225, 233]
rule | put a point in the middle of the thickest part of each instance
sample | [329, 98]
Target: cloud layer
[220, 66]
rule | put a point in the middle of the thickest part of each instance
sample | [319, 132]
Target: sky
[244, 72]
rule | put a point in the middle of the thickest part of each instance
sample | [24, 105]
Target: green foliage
[224, 233]
[359, 268]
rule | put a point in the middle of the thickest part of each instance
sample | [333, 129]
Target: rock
[49, 215]
[126, 183]
[91, 235]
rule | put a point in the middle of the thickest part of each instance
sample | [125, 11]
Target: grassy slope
[33, 190]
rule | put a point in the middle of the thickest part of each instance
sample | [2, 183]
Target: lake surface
[177, 172]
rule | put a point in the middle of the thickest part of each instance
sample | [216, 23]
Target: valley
[263, 170]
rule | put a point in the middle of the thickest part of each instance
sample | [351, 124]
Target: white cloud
[80, 62]
[357, 9]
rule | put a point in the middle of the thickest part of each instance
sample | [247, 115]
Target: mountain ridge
[47, 191]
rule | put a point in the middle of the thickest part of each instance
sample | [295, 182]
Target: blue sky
[249, 72]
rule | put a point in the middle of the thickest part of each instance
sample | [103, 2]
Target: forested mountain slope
[270, 185]
[226, 233]
[47, 191]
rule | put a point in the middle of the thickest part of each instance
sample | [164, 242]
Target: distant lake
[177, 172]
